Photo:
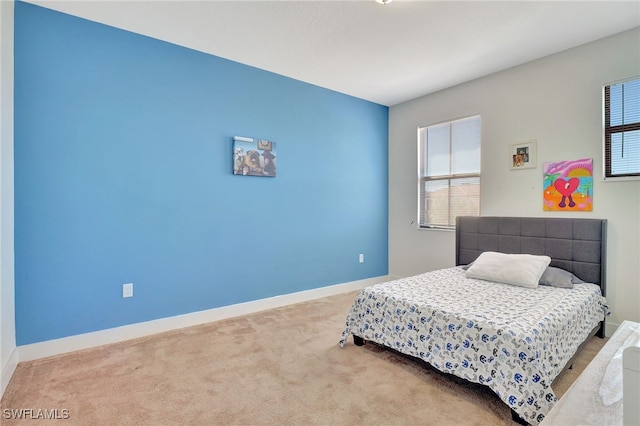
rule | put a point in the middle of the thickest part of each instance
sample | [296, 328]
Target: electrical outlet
[127, 290]
[361, 258]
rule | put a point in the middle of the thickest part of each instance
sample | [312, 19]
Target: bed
[513, 339]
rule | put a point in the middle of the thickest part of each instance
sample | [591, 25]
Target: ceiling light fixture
[384, 1]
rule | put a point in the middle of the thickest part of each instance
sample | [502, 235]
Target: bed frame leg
[516, 418]
[358, 341]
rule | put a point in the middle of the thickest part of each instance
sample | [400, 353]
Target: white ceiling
[387, 54]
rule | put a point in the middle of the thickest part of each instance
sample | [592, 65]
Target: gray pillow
[557, 277]
[465, 267]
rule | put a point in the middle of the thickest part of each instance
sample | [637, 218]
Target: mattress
[514, 340]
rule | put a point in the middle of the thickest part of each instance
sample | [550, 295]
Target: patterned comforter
[514, 340]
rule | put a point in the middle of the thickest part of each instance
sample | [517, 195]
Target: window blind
[449, 172]
[622, 129]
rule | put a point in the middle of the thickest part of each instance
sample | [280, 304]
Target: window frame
[608, 131]
[456, 176]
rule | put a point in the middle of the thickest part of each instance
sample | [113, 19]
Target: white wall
[8, 353]
[558, 102]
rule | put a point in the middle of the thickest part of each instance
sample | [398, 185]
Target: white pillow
[523, 270]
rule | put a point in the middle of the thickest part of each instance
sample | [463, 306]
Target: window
[449, 172]
[622, 129]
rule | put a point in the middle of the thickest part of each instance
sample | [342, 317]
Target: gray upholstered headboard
[577, 245]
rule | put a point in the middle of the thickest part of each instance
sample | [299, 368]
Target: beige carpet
[282, 366]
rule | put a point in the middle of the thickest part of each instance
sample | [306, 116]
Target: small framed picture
[523, 155]
[254, 157]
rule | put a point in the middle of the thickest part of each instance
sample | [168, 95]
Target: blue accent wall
[123, 173]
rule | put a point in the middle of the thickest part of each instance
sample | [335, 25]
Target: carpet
[281, 366]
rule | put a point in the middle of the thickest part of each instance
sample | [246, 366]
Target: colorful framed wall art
[568, 185]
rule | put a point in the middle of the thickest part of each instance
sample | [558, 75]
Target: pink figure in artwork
[566, 188]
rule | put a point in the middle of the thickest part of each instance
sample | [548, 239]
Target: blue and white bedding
[515, 340]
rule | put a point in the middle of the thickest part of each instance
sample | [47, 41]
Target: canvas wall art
[254, 157]
[568, 185]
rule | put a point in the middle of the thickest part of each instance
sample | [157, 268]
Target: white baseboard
[7, 371]
[133, 331]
